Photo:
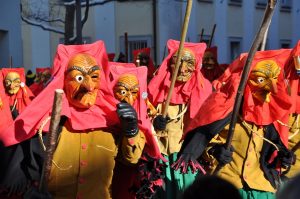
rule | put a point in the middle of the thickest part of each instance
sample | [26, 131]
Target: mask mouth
[208, 66]
[80, 93]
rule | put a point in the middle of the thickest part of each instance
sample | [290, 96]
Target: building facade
[151, 23]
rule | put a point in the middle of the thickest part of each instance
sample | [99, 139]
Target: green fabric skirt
[255, 194]
[175, 182]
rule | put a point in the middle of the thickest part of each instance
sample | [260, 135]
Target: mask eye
[79, 78]
[123, 92]
[260, 79]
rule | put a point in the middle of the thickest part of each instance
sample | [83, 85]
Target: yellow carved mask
[127, 88]
[209, 60]
[187, 65]
[82, 81]
[263, 80]
[12, 83]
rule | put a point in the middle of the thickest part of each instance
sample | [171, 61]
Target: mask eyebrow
[94, 68]
[78, 69]
[126, 86]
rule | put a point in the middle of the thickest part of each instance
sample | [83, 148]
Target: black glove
[192, 148]
[160, 122]
[128, 119]
[286, 158]
[223, 155]
[34, 193]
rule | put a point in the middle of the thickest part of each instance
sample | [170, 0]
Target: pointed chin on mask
[82, 81]
[263, 80]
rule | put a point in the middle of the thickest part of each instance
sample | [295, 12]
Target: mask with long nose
[263, 80]
[127, 88]
[82, 81]
[186, 67]
[12, 83]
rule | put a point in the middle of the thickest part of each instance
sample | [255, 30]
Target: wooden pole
[212, 36]
[51, 139]
[201, 35]
[126, 46]
[178, 59]
[256, 42]
[78, 22]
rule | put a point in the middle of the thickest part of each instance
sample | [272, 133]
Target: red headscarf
[118, 69]
[147, 51]
[220, 103]
[193, 92]
[218, 70]
[293, 79]
[101, 115]
[24, 95]
[5, 113]
[111, 56]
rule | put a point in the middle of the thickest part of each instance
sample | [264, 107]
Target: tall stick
[10, 61]
[178, 59]
[51, 139]
[256, 42]
[201, 35]
[212, 36]
[264, 42]
[126, 46]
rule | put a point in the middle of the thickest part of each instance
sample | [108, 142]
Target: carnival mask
[45, 76]
[263, 80]
[186, 67]
[12, 83]
[127, 88]
[144, 59]
[82, 81]
[209, 60]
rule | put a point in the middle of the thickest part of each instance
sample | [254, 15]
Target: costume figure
[293, 87]
[41, 81]
[248, 163]
[190, 91]
[211, 69]
[143, 57]
[94, 127]
[17, 93]
[30, 76]
[129, 85]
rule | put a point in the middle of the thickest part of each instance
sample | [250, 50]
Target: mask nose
[274, 88]
[88, 84]
[130, 99]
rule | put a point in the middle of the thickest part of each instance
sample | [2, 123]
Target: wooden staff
[126, 47]
[256, 42]
[10, 61]
[212, 36]
[201, 35]
[51, 139]
[178, 59]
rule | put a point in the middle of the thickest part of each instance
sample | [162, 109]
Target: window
[261, 4]
[235, 2]
[206, 1]
[285, 43]
[235, 47]
[134, 43]
[285, 5]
